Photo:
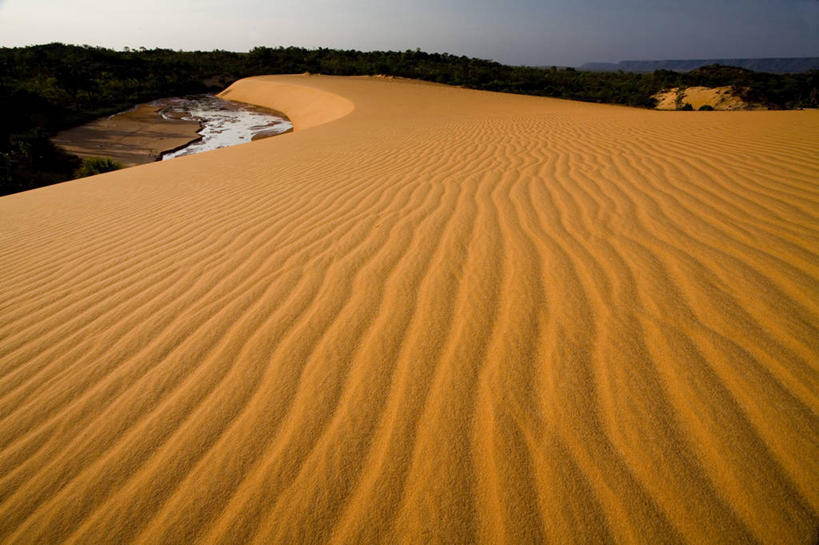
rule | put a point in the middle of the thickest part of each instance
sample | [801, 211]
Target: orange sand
[429, 315]
[719, 98]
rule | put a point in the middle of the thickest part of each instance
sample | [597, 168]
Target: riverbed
[171, 127]
[223, 123]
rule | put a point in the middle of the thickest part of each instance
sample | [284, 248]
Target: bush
[29, 160]
[97, 165]
[687, 107]
[706, 108]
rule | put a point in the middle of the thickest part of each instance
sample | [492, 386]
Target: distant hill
[774, 65]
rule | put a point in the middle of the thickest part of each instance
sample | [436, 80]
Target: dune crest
[306, 106]
[438, 316]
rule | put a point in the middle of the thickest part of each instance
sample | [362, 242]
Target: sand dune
[719, 98]
[429, 315]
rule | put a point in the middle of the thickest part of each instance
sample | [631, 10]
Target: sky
[541, 33]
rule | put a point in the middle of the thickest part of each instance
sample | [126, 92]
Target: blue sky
[561, 32]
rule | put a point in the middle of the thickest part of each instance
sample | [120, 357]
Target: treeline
[50, 87]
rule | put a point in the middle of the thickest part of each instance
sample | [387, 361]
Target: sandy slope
[429, 315]
[719, 98]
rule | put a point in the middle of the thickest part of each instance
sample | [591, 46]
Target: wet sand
[134, 137]
[427, 315]
[224, 123]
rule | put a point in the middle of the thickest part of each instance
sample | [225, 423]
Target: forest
[46, 88]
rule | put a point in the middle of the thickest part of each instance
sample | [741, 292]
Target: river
[223, 123]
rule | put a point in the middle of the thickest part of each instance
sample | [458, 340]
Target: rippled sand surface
[429, 315]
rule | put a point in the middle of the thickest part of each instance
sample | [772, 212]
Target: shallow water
[224, 123]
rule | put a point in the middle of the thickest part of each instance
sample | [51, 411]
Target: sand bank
[134, 137]
[428, 315]
[718, 98]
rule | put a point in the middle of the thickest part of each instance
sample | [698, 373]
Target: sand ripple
[436, 316]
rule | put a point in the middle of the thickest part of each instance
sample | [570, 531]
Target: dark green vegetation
[97, 165]
[28, 159]
[51, 87]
